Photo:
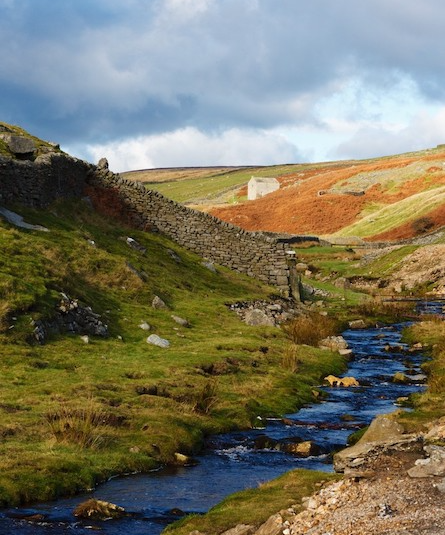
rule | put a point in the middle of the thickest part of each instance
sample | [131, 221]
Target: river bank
[243, 459]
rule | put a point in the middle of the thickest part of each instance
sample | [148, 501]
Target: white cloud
[425, 130]
[190, 147]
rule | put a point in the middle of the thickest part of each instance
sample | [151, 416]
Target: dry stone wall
[258, 256]
[38, 183]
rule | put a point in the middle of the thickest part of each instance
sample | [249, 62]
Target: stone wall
[38, 183]
[57, 175]
[252, 253]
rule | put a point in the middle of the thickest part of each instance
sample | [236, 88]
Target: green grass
[73, 414]
[394, 215]
[255, 506]
[213, 187]
[429, 405]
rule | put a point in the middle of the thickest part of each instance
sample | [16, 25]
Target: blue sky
[163, 83]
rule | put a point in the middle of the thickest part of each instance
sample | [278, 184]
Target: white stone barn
[259, 186]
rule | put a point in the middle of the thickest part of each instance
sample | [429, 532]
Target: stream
[239, 460]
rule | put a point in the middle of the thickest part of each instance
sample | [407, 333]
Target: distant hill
[380, 199]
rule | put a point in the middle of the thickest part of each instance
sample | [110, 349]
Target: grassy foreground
[75, 413]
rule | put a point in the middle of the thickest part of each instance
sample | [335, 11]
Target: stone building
[259, 186]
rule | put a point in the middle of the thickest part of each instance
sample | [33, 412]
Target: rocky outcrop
[262, 312]
[70, 317]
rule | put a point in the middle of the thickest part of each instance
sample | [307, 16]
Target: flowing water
[240, 460]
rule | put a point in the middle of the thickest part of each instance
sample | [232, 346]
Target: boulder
[19, 145]
[433, 465]
[357, 324]
[144, 326]
[334, 343]
[240, 529]
[384, 435]
[210, 266]
[341, 381]
[156, 340]
[302, 449]
[383, 428]
[184, 460]
[98, 510]
[400, 377]
[273, 526]
[102, 163]
[436, 431]
[257, 317]
[180, 321]
[158, 303]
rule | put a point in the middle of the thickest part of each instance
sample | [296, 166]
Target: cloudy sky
[161, 83]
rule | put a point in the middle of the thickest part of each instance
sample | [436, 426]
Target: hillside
[378, 200]
[84, 395]
[89, 280]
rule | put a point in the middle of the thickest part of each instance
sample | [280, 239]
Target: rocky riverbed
[397, 487]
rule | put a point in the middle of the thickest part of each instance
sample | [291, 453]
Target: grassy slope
[75, 413]
[390, 217]
[254, 506]
[209, 186]
[398, 190]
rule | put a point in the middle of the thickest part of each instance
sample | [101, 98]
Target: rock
[434, 465]
[383, 435]
[141, 274]
[184, 460]
[263, 442]
[85, 339]
[18, 221]
[144, 326]
[257, 317]
[98, 510]
[174, 256]
[180, 321]
[357, 324]
[382, 428]
[436, 430]
[341, 381]
[334, 343]
[156, 340]
[302, 449]
[240, 529]
[135, 245]
[102, 163]
[345, 352]
[272, 526]
[400, 377]
[301, 267]
[73, 318]
[210, 266]
[158, 303]
[21, 146]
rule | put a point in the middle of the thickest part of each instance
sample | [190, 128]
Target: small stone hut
[259, 186]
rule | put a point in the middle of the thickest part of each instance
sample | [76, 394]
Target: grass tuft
[310, 329]
[84, 426]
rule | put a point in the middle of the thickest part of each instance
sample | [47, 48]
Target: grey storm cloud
[103, 69]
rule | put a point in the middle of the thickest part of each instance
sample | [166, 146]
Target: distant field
[203, 184]
[375, 199]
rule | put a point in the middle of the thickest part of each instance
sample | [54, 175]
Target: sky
[172, 83]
